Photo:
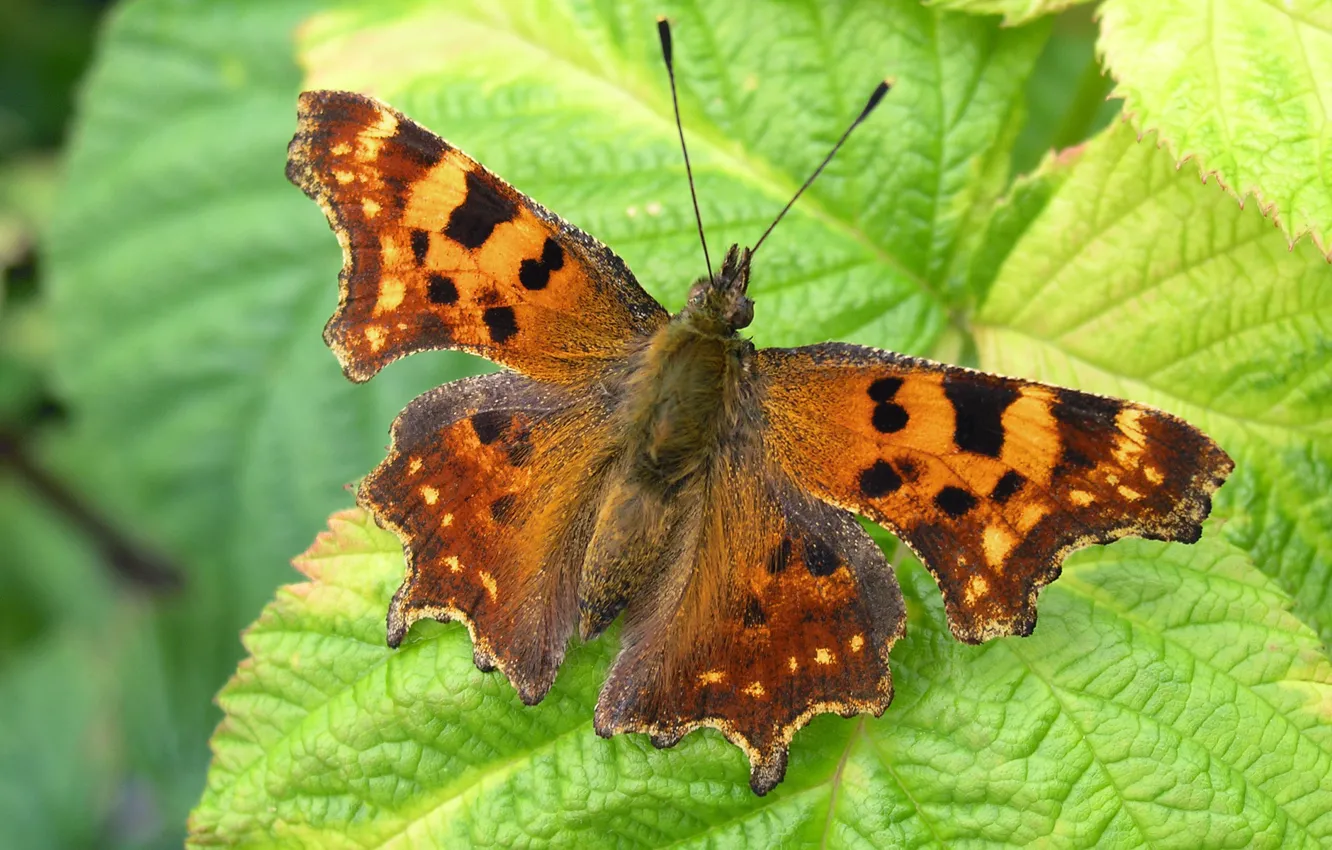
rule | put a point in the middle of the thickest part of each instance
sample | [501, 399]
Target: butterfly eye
[697, 292]
[743, 313]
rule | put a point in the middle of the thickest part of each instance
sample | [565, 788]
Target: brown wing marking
[440, 253]
[478, 487]
[990, 480]
[786, 609]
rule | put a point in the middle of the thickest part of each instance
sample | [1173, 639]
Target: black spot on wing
[535, 274]
[889, 418]
[420, 245]
[532, 275]
[1087, 428]
[1007, 487]
[441, 290]
[484, 209]
[820, 559]
[979, 404]
[879, 480]
[500, 322]
[1085, 410]
[419, 145]
[884, 389]
[489, 425]
[552, 255]
[954, 501]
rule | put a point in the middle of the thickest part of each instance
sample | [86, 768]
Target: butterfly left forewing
[990, 480]
[440, 253]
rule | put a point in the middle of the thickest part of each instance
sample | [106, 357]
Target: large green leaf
[1137, 281]
[1166, 698]
[1241, 87]
[190, 281]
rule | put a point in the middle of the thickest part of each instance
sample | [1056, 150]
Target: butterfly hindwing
[493, 529]
[440, 253]
[780, 608]
[990, 480]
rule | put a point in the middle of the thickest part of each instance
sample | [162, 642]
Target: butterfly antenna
[879, 92]
[664, 31]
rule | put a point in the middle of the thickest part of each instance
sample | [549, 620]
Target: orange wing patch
[783, 608]
[990, 480]
[474, 486]
[440, 253]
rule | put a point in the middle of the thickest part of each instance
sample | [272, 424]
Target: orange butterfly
[630, 461]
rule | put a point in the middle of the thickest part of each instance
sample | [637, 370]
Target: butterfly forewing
[990, 480]
[440, 253]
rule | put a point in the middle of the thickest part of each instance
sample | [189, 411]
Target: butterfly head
[719, 303]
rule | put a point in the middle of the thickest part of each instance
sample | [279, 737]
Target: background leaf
[1165, 699]
[189, 281]
[1136, 281]
[1241, 87]
[189, 284]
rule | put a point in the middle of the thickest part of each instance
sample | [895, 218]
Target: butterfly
[626, 462]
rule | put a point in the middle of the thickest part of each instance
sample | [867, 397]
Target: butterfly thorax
[685, 395]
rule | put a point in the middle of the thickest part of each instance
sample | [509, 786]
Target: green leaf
[190, 282]
[58, 635]
[1241, 87]
[1135, 280]
[1015, 12]
[1166, 698]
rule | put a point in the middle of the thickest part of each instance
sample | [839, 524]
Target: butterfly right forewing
[991, 480]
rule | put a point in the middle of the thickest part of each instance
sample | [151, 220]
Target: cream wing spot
[414, 466]
[998, 542]
[430, 494]
[755, 689]
[1031, 515]
[1129, 493]
[454, 565]
[823, 655]
[1081, 498]
[391, 292]
[977, 587]
[488, 582]
[370, 207]
[857, 642]
[711, 677]
[374, 335]
[370, 140]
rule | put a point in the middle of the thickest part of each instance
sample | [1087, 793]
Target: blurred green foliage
[167, 409]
